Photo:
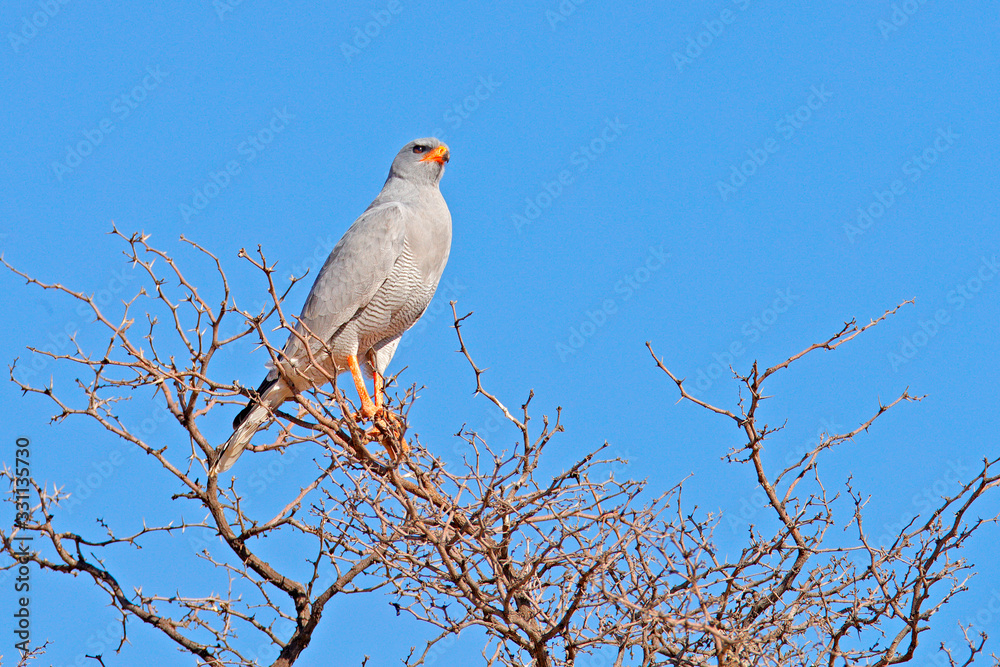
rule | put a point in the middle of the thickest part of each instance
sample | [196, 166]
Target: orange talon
[387, 430]
[385, 424]
[368, 409]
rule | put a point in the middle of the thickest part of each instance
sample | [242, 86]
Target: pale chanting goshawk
[376, 283]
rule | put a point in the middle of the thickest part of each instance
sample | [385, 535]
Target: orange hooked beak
[439, 155]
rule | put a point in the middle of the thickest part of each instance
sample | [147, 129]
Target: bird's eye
[419, 149]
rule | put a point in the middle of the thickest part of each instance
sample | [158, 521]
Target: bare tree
[549, 568]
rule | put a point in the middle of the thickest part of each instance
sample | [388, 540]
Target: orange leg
[368, 408]
[371, 409]
[379, 381]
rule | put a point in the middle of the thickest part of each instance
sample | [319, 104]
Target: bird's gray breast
[414, 277]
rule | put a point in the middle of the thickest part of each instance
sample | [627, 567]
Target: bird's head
[421, 160]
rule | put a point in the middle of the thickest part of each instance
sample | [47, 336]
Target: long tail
[272, 393]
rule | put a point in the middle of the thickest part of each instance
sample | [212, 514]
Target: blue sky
[727, 180]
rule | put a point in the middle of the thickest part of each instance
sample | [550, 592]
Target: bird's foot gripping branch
[547, 556]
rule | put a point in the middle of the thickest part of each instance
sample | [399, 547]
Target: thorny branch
[549, 567]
